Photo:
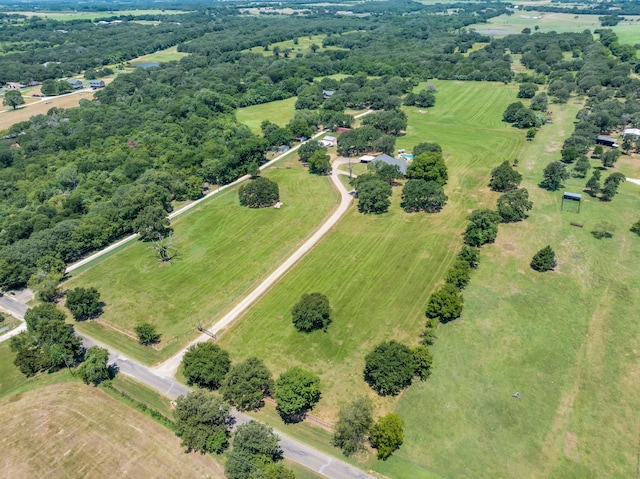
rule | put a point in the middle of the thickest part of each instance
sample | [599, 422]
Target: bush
[354, 421]
[259, 193]
[206, 364]
[389, 368]
[636, 228]
[312, 312]
[423, 358]
[459, 274]
[84, 303]
[445, 304]
[544, 260]
[147, 334]
[470, 255]
[387, 435]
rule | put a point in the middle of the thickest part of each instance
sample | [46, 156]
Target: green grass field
[378, 271]
[279, 112]
[224, 250]
[162, 56]
[567, 341]
[628, 31]
[303, 46]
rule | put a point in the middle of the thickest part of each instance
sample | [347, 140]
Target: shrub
[387, 435]
[147, 334]
[544, 260]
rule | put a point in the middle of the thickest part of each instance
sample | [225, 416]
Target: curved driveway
[169, 367]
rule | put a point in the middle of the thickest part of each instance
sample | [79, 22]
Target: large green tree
[152, 223]
[202, 422]
[296, 391]
[48, 343]
[354, 422]
[259, 193]
[554, 175]
[373, 196]
[504, 177]
[312, 312]
[514, 204]
[255, 447]
[13, 98]
[246, 384]
[482, 227]
[206, 364]
[84, 303]
[387, 435]
[429, 166]
[95, 368]
[147, 333]
[445, 304]
[389, 368]
[421, 195]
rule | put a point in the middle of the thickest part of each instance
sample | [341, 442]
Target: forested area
[85, 176]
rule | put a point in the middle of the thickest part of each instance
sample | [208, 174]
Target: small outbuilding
[13, 86]
[75, 84]
[95, 84]
[607, 141]
[328, 141]
[366, 158]
[327, 94]
[567, 195]
[283, 148]
[632, 132]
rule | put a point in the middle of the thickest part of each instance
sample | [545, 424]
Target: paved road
[292, 449]
[169, 367]
[132, 237]
[15, 309]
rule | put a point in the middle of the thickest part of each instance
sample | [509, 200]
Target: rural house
[95, 84]
[75, 84]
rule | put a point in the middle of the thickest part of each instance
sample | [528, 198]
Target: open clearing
[278, 112]
[166, 55]
[9, 117]
[628, 30]
[224, 251]
[74, 430]
[303, 47]
[378, 271]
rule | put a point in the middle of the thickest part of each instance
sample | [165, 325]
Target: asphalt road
[293, 450]
[15, 309]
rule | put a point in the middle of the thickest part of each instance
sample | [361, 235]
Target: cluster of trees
[355, 425]
[514, 203]
[246, 383]
[423, 99]
[610, 187]
[49, 344]
[374, 187]
[364, 140]
[522, 117]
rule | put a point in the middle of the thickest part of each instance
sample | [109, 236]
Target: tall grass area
[566, 340]
[379, 270]
[223, 251]
[279, 112]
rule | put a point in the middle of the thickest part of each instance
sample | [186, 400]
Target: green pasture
[378, 271]
[224, 250]
[628, 30]
[162, 56]
[566, 340]
[279, 112]
[303, 46]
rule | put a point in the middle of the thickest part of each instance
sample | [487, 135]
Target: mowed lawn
[279, 112]
[379, 270]
[166, 55]
[223, 251]
[567, 341]
[74, 430]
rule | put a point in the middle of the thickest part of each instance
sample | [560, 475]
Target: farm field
[628, 30]
[72, 430]
[378, 271]
[567, 341]
[279, 112]
[224, 250]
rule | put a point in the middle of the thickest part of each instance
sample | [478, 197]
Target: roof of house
[632, 131]
[402, 166]
[330, 138]
[606, 138]
[571, 196]
[366, 158]
[327, 93]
